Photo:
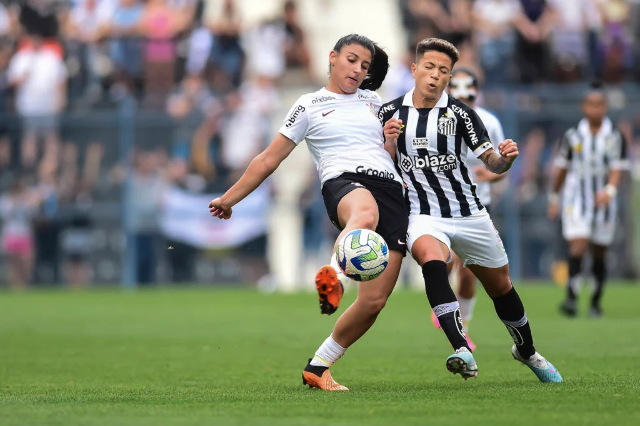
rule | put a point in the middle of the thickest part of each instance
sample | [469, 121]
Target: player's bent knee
[373, 304]
[367, 219]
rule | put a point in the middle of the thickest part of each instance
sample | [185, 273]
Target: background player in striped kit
[359, 191]
[445, 212]
[590, 160]
[464, 86]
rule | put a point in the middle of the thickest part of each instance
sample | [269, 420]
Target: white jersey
[496, 135]
[343, 133]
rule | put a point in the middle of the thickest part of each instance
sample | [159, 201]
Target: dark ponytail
[379, 64]
[377, 70]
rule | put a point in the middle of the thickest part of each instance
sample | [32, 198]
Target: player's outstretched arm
[500, 163]
[259, 169]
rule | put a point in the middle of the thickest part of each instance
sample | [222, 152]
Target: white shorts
[474, 239]
[600, 233]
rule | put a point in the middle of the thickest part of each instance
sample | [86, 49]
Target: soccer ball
[362, 254]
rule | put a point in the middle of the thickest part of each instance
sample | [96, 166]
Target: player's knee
[373, 304]
[366, 218]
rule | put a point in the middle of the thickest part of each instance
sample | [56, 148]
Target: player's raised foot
[568, 308]
[595, 312]
[463, 363]
[330, 289]
[320, 377]
[543, 369]
[435, 320]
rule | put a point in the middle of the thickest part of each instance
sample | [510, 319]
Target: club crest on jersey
[374, 109]
[447, 124]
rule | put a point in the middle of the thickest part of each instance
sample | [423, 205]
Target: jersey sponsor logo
[322, 99]
[324, 114]
[467, 123]
[361, 170]
[438, 163]
[420, 143]
[366, 97]
[295, 115]
[384, 110]
[447, 124]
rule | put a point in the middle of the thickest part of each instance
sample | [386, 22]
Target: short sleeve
[296, 124]
[473, 131]
[618, 154]
[564, 153]
[386, 112]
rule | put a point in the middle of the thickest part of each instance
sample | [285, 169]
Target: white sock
[466, 308]
[328, 353]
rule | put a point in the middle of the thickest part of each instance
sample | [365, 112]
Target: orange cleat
[330, 289]
[320, 377]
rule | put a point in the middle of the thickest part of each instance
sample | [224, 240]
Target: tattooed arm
[500, 163]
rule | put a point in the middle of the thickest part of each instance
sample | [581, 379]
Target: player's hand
[392, 129]
[508, 150]
[219, 210]
[481, 174]
[602, 198]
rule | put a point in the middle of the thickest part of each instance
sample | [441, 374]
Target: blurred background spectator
[119, 119]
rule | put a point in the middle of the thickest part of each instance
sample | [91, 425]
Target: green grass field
[221, 357]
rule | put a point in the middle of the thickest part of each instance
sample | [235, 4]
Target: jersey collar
[442, 102]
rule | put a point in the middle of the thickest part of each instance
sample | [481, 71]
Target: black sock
[600, 275]
[511, 311]
[443, 302]
[575, 267]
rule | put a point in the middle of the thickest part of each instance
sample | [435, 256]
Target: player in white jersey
[360, 186]
[431, 133]
[464, 86]
[590, 160]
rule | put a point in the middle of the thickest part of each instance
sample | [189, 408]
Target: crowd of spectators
[534, 41]
[208, 107]
[206, 84]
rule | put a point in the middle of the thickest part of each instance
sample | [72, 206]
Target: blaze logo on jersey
[438, 162]
[447, 124]
[294, 116]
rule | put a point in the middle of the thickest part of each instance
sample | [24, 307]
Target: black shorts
[393, 210]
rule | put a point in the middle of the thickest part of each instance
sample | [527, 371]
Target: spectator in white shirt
[39, 76]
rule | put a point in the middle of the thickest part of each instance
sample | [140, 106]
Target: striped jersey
[431, 154]
[589, 158]
[496, 135]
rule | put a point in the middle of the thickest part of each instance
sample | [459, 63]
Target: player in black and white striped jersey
[590, 160]
[465, 87]
[431, 133]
